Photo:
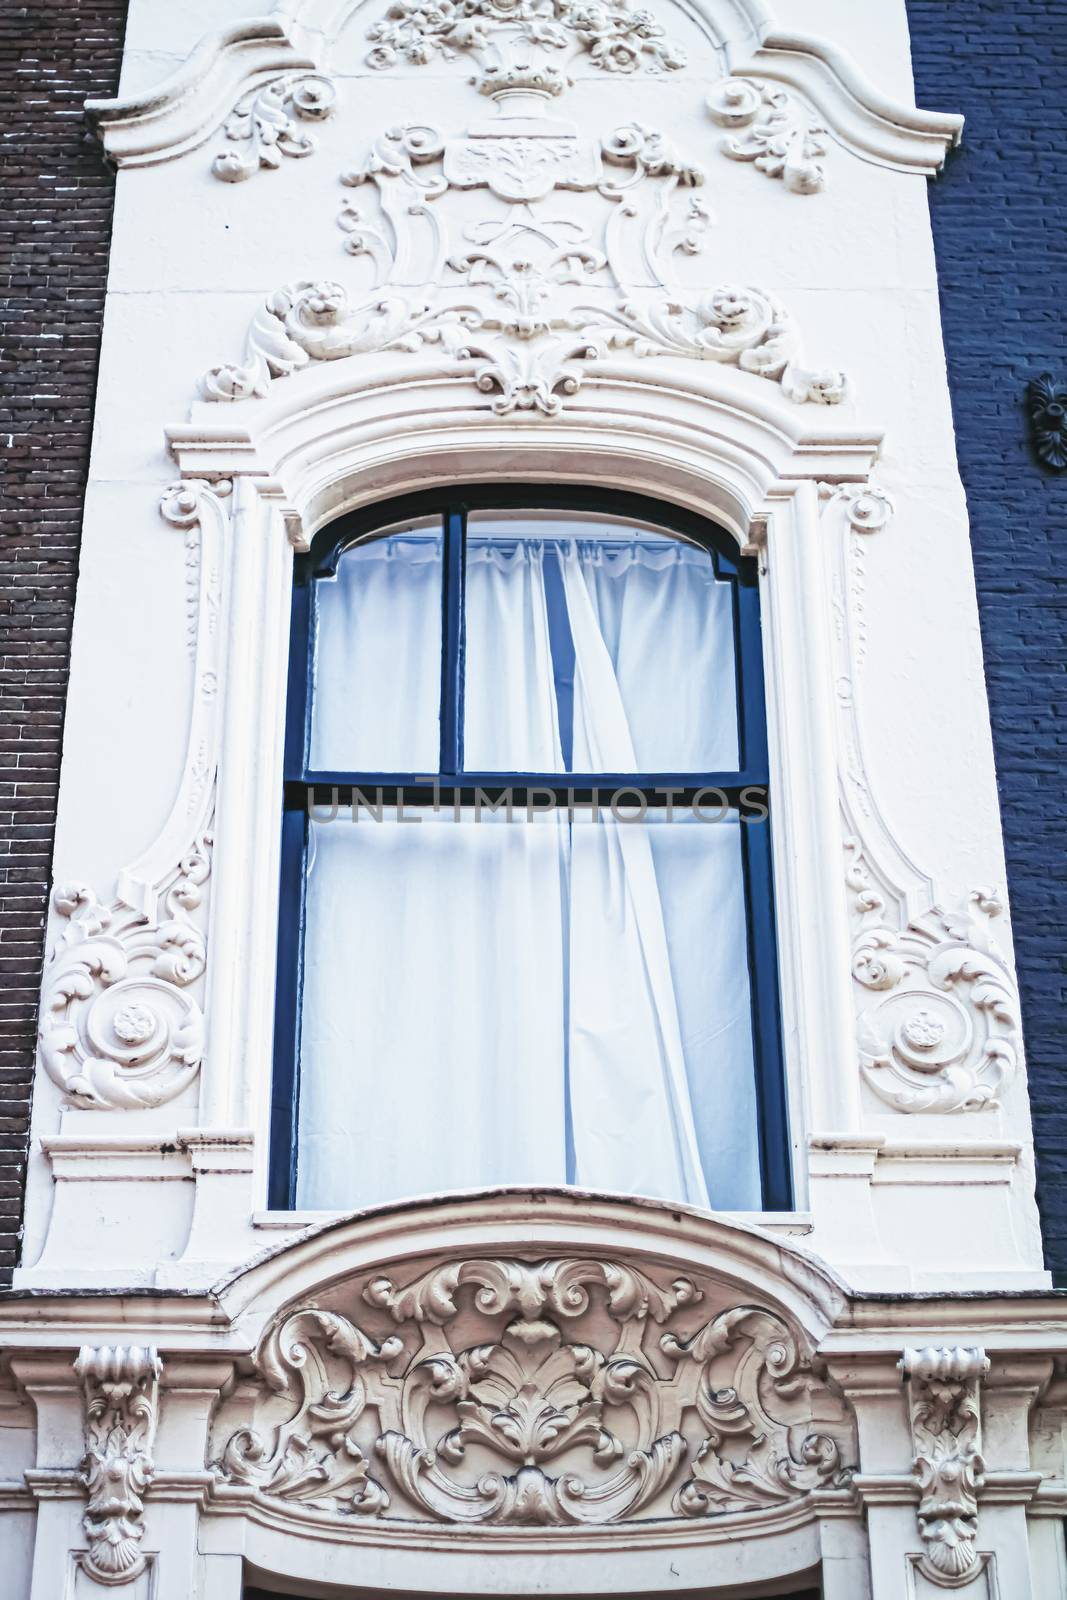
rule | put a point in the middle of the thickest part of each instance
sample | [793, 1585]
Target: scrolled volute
[482, 1409]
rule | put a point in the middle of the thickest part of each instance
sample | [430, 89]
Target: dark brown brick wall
[55, 229]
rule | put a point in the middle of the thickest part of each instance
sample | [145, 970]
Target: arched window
[526, 930]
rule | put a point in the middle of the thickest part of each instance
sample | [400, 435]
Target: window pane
[536, 1002]
[595, 646]
[377, 678]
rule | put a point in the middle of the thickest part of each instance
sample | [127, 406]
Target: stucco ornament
[265, 124]
[496, 33]
[119, 1027]
[121, 1024]
[476, 1407]
[522, 289]
[938, 1017]
[943, 1385]
[120, 1389]
[774, 131]
[943, 1036]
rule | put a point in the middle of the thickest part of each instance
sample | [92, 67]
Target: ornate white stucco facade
[687, 253]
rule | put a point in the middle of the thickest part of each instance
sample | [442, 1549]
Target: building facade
[529, 423]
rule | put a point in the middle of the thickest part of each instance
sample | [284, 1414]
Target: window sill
[777, 1222]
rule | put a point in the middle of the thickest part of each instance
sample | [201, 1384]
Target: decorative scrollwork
[945, 1037]
[779, 137]
[943, 1032]
[119, 1027]
[943, 1385]
[529, 359]
[263, 124]
[120, 1388]
[478, 1393]
[758, 1450]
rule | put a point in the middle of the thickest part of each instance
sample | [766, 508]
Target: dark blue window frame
[746, 789]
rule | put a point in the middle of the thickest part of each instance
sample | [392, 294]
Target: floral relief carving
[943, 1386]
[526, 296]
[119, 1024]
[944, 1036]
[120, 1389]
[615, 37]
[774, 131]
[546, 1393]
[938, 1016]
[264, 125]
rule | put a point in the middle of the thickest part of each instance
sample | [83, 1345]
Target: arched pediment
[549, 1359]
[291, 54]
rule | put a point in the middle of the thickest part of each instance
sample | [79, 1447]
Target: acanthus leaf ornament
[944, 1405]
[119, 1027]
[763, 1445]
[264, 125]
[938, 1021]
[1046, 403]
[120, 1389]
[482, 1406]
[775, 132]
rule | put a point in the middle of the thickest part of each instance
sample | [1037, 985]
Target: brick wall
[1000, 229]
[55, 226]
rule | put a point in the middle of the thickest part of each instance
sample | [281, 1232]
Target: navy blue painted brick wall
[1000, 230]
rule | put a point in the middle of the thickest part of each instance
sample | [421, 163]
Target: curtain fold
[547, 1001]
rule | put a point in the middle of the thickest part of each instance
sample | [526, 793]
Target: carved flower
[727, 309]
[923, 1031]
[644, 24]
[1047, 401]
[134, 1023]
[313, 97]
[589, 19]
[825, 388]
[381, 57]
[616, 55]
[671, 56]
[324, 302]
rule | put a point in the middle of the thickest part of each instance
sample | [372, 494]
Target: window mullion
[452, 640]
[772, 1106]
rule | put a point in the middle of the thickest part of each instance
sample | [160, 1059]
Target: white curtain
[376, 701]
[548, 1001]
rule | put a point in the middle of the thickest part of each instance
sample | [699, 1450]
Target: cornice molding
[189, 105]
[870, 124]
[186, 108]
[712, 423]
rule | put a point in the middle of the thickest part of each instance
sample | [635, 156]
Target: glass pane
[595, 646]
[538, 1001]
[377, 676]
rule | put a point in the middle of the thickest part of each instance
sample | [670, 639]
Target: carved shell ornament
[539, 1393]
